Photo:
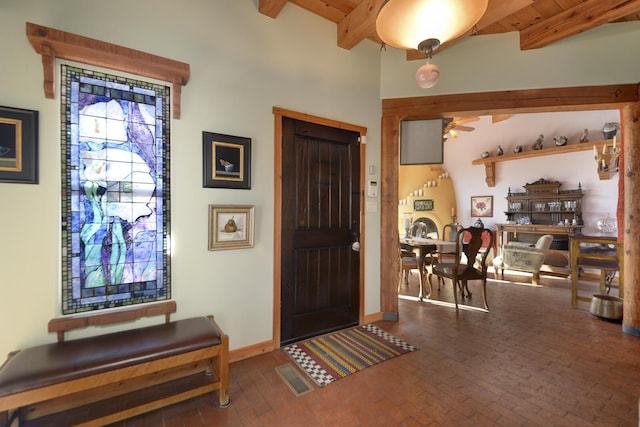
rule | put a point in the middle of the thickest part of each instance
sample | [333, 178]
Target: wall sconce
[607, 160]
[424, 25]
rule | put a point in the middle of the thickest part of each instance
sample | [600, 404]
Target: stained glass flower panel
[115, 172]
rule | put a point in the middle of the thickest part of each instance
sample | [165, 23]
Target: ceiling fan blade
[463, 120]
[500, 117]
[464, 128]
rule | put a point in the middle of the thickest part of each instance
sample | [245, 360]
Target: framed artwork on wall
[226, 161]
[115, 211]
[423, 205]
[230, 227]
[482, 206]
[18, 145]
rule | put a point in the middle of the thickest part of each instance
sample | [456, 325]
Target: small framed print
[226, 161]
[18, 145]
[482, 206]
[423, 205]
[230, 227]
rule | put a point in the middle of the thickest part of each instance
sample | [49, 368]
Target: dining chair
[408, 261]
[469, 263]
[449, 233]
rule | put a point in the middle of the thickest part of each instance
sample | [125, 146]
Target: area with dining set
[547, 215]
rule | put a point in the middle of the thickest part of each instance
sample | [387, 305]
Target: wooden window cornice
[52, 44]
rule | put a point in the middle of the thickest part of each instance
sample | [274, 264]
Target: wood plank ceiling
[539, 22]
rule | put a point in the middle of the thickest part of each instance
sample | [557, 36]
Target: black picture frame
[226, 161]
[18, 145]
[423, 205]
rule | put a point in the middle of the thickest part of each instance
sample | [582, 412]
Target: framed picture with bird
[226, 161]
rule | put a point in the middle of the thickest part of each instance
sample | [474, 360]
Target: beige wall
[242, 64]
[431, 180]
[604, 55]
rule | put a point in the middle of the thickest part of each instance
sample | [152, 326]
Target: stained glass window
[115, 191]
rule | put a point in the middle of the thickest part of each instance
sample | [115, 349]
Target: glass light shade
[427, 75]
[405, 23]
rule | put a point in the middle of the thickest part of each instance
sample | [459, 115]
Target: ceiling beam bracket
[51, 44]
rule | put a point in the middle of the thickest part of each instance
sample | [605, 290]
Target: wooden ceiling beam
[271, 8]
[359, 24]
[585, 16]
[320, 8]
[511, 102]
[496, 11]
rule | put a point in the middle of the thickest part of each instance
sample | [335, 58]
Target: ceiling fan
[454, 125]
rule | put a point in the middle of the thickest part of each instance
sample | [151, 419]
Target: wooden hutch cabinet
[543, 208]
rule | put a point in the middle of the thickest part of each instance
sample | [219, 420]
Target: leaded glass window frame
[115, 134]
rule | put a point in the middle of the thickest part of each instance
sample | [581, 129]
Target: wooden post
[389, 239]
[631, 232]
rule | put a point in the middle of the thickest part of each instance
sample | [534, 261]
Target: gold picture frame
[230, 227]
[18, 145]
[481, 206]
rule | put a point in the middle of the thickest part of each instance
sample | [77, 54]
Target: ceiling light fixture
[426, 24]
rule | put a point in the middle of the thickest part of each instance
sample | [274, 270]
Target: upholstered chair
[520, 256]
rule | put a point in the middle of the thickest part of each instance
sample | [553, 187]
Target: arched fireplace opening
[424, 227]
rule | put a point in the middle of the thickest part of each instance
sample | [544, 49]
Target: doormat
[330, 357]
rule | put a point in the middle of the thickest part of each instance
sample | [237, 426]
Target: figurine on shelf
[485, 154]
[610, 129]
[560, 140]
[517, 149]
[585, 135]
[538, 144]
[500, 150]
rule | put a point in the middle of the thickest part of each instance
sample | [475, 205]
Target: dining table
[426, 251]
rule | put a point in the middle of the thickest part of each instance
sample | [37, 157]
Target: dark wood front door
[320, 222]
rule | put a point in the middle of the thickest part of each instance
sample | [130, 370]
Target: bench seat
[59, 379]
[60, 362]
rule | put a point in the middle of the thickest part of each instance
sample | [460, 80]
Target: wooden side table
[603, 252]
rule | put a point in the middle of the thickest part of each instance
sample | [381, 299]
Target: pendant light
[426, 24]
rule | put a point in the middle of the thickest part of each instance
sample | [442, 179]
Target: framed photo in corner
[482, 206]
[230, 227]
[18, 145]
[226, 161]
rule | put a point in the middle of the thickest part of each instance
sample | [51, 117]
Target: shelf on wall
[490, 162]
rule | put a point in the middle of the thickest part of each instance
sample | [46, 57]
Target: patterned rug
[331, 357]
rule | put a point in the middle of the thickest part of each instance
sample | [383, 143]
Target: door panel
[320, 221]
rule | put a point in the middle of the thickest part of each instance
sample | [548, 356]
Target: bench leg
[10, 418]
[223, 371]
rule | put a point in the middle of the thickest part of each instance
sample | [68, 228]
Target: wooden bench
[111, 377]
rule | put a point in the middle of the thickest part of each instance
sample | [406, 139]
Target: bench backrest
[62, 324]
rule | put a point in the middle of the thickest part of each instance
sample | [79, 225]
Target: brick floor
[531, 361]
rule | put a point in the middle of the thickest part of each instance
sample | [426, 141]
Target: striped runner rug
[330, 357]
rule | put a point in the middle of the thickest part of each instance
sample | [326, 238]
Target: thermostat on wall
[372, 188]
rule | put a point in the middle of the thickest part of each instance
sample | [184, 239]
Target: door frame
[279, 114]
[614, 96]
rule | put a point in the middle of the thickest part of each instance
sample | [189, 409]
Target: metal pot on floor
[607, 307]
